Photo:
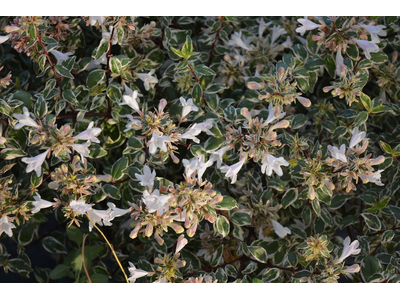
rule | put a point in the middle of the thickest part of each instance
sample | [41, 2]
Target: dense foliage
[200, 149]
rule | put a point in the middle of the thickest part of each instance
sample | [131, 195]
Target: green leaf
[197, 93]
[386, 147]
[75, 234]
[289, 197]
[40, 107]
[298, 121]
[10, 153]
[379, 57]
[63, 71]
[59, 272]
[271, 275]
[277, 184]
[300, 52]
[115, 65]
[366, 101]
[26, 234]
[215, 88]
[222, 226]
[361, 118]
[70, 96]
[339, 200]
[187, 48]
[177, 52]
[103, 48]
[203, 70]
[240, 218]
[314, 64]
[259, 253]
[289, 60]
[53, 246]
[213, 143]
[352, 51]
[18, 265]
[94, 78]
[372, 221]
[369, 266]
[387, 236]
[395, 211]
[111, 191]
[227, 203]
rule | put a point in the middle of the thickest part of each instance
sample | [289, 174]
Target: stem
[108, 69]
[197, 80]
[51, 65]
[215, 40]
[83, 258]
[111, 247]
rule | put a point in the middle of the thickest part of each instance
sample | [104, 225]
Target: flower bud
[304, 101]
[377, 161]
[311, 193]
[252, 85]
[181, 243]
[135, 231]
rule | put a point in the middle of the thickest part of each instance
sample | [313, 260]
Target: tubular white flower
[357, 137]
[348, 249]
[155, 202]
[217, 155]
[339, 62]
[79, 207]
[190, 166]
[306, 25]
[288, 43]
[24, 119]
[148, 177]
[206, 126]
[374, 178]
[95, 64]
[4, 38]
[101, 217]
[116, 212]
[106, 36]
[90, 134]
[271, 114]
[40, 203]
[187, 106]
[232, 171]
[158, 141]
[35, 163]
[351, 269]
[147, 79]
[181, 243]
[338, 154]
[94, 19]
[277, 31]
[374, 31]
[82, 149]
[191, 134]
[60, 56]
[135, 273]
[131, 99]
[236, 40]
[133, 124]
[368, 47]
[6, 226]
[280, 230]
[271, 163]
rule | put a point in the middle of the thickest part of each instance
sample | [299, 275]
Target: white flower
[133, 124]
[6, 226]
[181, 243]
[131, 99]
[39, 203]
[374, 178]
[357, 137]
[135, 273]
[348, 249]
[273, 114]
[352, 269]
[35, 163]
[202, 167]
[280, 230]
[94, 19]
[4, 38]
[338, 154]
[79, 207]
[339, 61]
[271, 163]
[261, 27]
[191, 134]
[187, 106]
[106, 36]
[115, 212]
[190, 167]
[158, 141]
[288, 43]
[236, 40]
[98, 217]
[82, 149]
[24, 119]
[206, 126]
[307, 25]
[277, 31]
[147, 79]
[60, 56]
[374, 31]
[147, 179]
[89, 134]
[95, 64]
[368, 47]
[232, 171]
[162, 280]
[155, 202]
[217, 155]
